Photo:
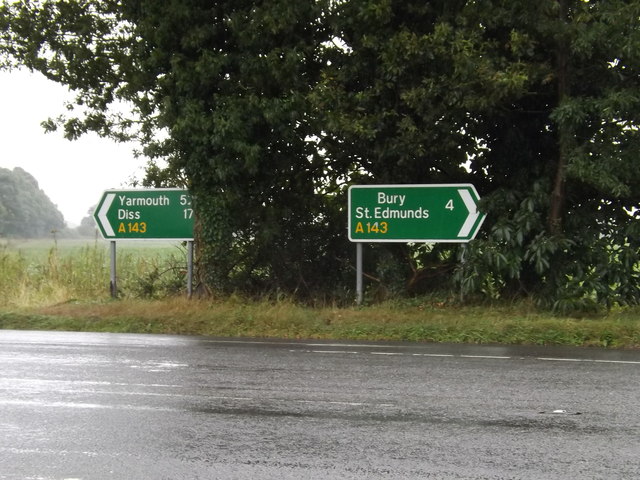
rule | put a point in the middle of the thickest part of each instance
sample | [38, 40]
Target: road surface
[109, 406]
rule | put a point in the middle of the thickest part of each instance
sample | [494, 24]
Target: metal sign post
[113, 285]
[359, 289]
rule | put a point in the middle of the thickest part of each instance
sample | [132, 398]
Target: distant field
[40, 248]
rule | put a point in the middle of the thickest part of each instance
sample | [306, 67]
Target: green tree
[562, 158]
[402, 97]
[538, 100]
[25, 210]
[234, 78]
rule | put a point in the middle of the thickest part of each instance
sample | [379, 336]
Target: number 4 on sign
[449, 205]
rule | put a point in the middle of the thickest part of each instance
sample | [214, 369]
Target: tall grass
[39, 274]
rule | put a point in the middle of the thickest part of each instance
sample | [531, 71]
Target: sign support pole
[462, 265]
[359, 290]
[189, 269]
[113, 284]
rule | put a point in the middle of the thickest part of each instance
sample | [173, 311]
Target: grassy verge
[514, 324]
[60, 285]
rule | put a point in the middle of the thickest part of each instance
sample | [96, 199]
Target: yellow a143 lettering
[372, 227]
[132, 227]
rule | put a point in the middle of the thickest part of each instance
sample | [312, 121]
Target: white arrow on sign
[473, 213]
[102, 214]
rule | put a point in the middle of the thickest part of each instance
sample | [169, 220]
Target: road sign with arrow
[145, 214]
[414, 213]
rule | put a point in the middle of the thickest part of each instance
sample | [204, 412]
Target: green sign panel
[145, 214]
[413, 213]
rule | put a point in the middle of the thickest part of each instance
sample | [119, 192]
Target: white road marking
[13, 381]
[486, 356]
[335, 352]
[83, 405]
[433, 354]
[617, 361]
[556, 359]
[587, 360]
[451, 355]
[345, 345]
[345, 404]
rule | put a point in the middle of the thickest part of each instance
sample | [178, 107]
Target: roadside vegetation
[269, 111]
[42, 272]
[65, 286]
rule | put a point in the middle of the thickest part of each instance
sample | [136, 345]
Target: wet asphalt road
[104, 406]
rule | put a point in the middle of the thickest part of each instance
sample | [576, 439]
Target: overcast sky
[73, 174]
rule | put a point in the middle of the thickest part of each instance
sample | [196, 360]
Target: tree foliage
[267, 110]
[25, 210]
[538, 100]
[559, 159]
[234, 78]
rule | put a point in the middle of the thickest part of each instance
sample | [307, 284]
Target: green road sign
[414, 213]
[145, 214]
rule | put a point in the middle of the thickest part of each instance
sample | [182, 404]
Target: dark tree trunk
[564, 135]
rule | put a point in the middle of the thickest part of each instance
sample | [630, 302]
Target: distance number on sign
[185, 200]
